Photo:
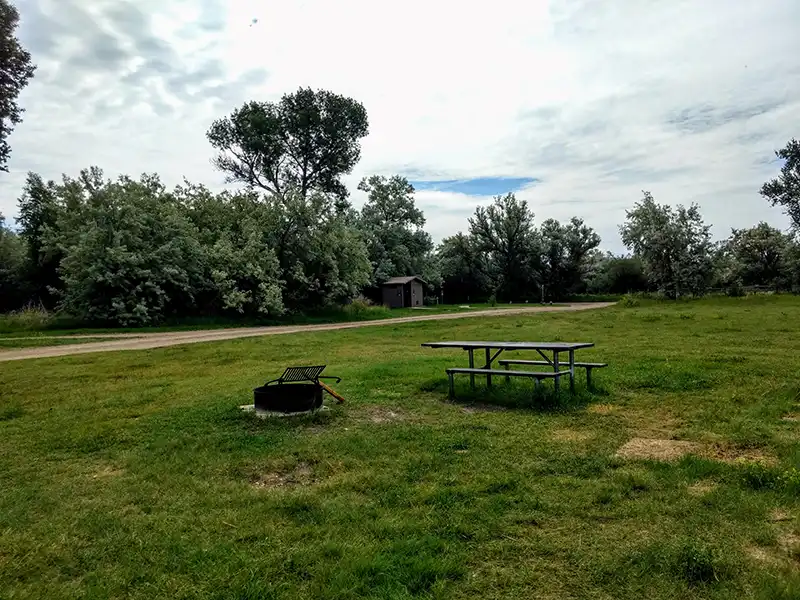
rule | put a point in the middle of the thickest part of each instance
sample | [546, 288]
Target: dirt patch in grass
[733, 455]
[569, 435]
[107, 472]
[656, 449]
[701, 488]
[380, 415]
[763, 556]
[668, 450]
[300, 475]
[778, 515]
[601, 409]
[792, 417]
[481, 407]
[789, 542]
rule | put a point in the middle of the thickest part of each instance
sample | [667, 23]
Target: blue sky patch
[480, 186]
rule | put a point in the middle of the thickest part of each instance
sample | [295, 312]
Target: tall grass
[31, 318]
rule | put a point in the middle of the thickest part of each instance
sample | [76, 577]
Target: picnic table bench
[583, 365]
[493, 350]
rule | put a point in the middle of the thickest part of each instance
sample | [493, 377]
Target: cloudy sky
[577, 105]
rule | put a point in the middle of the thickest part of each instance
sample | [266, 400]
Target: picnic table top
[466, 345]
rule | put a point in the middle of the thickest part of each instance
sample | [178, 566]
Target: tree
[241, 269]
[673, 244]
[463, 268]
[618, 275]
[130, 256]
[305, 142]
[12, 256]
[39, 211]
[323, 258]
[760, 256]
[504, 231]
[566, 250]
[784, 190]
[16, 71]
[393, 228]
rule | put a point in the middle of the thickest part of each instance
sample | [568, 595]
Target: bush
[31, 318]
[629, 301]
[735, 290]
[362, 308]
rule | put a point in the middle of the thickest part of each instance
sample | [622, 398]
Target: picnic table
[493, 350]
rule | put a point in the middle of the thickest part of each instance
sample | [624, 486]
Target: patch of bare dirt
[380, 415]
[763, 556]
[778, 515]
[569, 435]
[481, 407]
[701, 488]
[601, 409]
[733, 455]
[301, 474]
[656, 449]
[107, 472]
[666, 449]
[789, 542]
[793, 417]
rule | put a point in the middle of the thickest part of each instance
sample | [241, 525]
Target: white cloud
[598, 100]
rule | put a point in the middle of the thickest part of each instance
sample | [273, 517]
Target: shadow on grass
[516, 395]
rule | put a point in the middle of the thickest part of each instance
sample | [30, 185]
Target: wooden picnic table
[495, 349]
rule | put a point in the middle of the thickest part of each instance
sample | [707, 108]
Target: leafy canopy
[392, 226]
[504, 231]
[304, 142]
[16, 70]
[674, 245]
[784, 190]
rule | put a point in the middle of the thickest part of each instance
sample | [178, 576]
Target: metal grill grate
[301, 373]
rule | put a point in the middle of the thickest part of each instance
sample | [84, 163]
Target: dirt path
[145, 341]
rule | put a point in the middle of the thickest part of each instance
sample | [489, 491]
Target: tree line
[132, 252]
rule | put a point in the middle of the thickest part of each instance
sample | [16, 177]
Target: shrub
[362, 308]
[735, 290]
[629, 301]
[31, 318]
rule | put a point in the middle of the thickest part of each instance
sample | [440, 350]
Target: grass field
[28, 323]
[135, 475]
[10, 343]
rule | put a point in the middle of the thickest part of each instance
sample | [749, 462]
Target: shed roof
[402, 280]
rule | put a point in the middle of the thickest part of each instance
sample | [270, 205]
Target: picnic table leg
[508, 379]
[556, 369]
[488, 366]
[589, 377]
[572, 371]
[452, 387]
[471, 366]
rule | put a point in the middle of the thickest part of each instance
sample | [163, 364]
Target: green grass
[33, 322]
[135, 475]
[9, 343]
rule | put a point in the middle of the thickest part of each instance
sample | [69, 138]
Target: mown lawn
[14, 326]
[135, 475]
[12, 343]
